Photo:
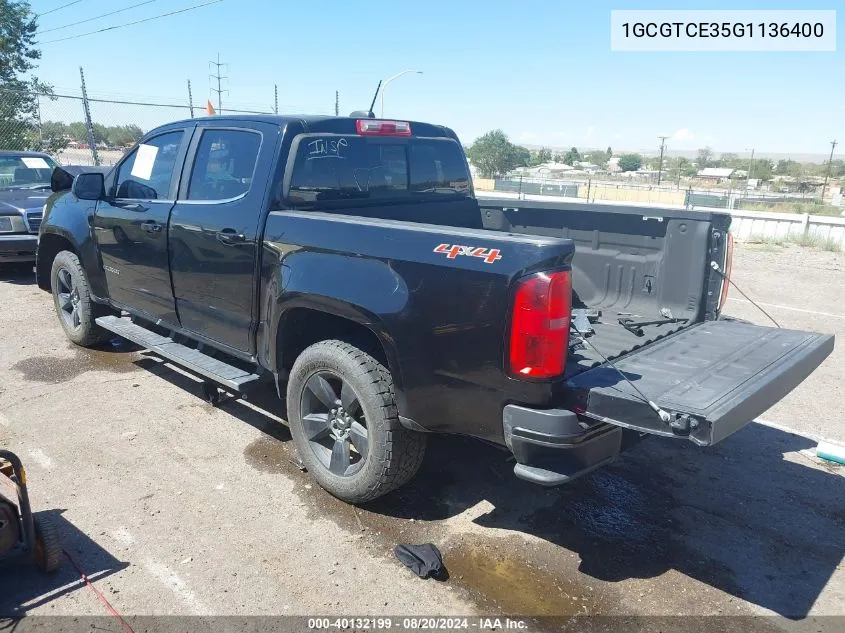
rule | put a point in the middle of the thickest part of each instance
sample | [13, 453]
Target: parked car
[24, 188]
[347, 262]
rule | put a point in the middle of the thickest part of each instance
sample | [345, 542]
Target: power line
[120, 26]
[97, 17]
[60, 8]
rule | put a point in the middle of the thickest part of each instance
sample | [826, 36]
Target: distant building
[545, 170]
[715, 174]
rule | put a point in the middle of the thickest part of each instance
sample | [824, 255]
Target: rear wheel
[72, 298]
[344, 422]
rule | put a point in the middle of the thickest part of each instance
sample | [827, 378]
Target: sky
[540, 70]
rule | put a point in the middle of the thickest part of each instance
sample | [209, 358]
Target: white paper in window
[35, 162]
[144, 159]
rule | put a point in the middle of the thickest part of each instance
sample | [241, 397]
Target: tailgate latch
[683, 424]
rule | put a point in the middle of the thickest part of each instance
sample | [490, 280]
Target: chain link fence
[601, 190]
[76, 130]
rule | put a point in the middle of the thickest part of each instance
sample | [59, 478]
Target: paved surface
[173, 507]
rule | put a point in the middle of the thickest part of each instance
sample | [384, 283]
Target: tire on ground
[394, 452]
[48, 547]
[87, 333]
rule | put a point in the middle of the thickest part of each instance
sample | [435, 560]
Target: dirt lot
[173, 507]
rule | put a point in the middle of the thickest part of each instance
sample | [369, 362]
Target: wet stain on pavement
[502, 582]
[270, 455]
[52, 369]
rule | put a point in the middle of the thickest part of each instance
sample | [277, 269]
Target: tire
[72, 299]
[48, 547]
[390, 454]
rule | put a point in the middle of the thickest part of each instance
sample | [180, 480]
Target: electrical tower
[219, 79]
[660, 166]
[336, 103]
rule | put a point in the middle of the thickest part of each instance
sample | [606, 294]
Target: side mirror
[89, 186]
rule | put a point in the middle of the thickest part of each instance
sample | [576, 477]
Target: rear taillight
[373, 127]
[539, 339]
[726, 270]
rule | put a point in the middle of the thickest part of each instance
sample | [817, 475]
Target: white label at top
[723, 30]
[145, 157]
[35, 162]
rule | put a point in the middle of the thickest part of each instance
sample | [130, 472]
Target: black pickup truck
[347, 261]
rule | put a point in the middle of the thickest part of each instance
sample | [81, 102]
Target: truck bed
[629, 261]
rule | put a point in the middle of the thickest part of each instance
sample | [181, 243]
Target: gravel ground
[176, 508]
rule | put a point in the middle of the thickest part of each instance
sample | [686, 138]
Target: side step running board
[191, 359]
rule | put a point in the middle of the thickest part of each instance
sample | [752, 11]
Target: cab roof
[315, 123]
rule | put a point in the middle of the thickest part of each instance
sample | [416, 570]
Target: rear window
[337, 168]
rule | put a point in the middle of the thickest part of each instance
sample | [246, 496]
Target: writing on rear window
[360, 169]
[326, 148]
[489, 255]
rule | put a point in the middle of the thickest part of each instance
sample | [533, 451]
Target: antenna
[375, 96]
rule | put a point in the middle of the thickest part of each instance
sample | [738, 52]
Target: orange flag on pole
[210, 108]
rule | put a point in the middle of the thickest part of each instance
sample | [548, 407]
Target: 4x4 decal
[489, 255]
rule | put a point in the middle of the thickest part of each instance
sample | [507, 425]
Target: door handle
[151, 226]
[230, 237]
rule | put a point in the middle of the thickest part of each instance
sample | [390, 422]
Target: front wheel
[72, 298]
[343, 419]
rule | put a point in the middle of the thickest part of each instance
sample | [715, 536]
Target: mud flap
[713, 378]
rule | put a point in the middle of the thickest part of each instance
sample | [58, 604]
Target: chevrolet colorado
[347, 261]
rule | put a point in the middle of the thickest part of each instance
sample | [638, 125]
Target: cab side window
[224, 164]
[148, 171]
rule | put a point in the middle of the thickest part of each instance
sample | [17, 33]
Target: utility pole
[275, 98]
[89, 127]
[190, 99]
[660, 167]
[216, 75]
[833, 145]
[750, 165]
[336, 103]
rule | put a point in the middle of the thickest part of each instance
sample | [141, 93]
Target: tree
[544, 155]
[761, 169]
[630, 162]
[598, 157]
[783, 166]
[609, 153]
[18, 103]
[572, 156]
[704, 158]
[729, 159]
[493, 154]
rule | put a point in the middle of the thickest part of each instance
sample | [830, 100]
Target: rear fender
[358, 289]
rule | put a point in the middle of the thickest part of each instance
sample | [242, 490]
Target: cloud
[590, 131]
[684, 134]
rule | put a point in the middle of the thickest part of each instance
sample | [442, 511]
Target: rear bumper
[552, 447]
[18, 248]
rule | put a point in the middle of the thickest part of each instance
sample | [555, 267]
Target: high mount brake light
[539, 339]
[374, 127]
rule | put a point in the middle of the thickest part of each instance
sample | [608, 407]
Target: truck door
[131, 224]
[215, 229]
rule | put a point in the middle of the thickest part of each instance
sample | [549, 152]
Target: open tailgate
[713, 378]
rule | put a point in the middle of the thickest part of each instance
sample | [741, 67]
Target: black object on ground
[425, 560]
